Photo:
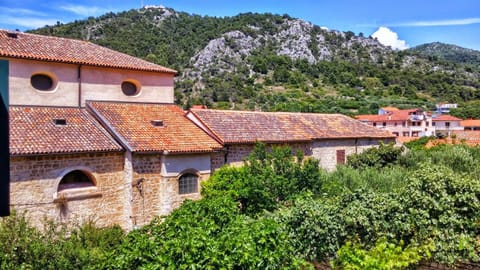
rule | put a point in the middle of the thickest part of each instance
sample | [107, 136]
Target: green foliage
[378, 157]
[281, 211]
[56, 246]
[383, 256]
[267, 179]
[466, 110]
[207, 234]
[444, 207]
[418, 144]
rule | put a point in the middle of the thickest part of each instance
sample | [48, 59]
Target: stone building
[73, 158]
[94, 134]
[330, 138]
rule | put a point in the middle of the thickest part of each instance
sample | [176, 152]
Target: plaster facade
[74, 84]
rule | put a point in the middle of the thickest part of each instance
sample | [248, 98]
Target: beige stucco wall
[91, 83]
[21, 91]
[105, 84]
[34, 182]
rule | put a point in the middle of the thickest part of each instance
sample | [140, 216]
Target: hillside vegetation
[278, 63]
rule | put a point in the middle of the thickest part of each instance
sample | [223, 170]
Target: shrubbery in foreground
[277, 213]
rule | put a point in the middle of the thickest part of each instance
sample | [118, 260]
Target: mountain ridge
[276, 62]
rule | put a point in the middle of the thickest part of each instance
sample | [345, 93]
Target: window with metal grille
[188, 183]
[340, 156]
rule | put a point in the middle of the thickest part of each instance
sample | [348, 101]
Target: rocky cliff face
[293, 38]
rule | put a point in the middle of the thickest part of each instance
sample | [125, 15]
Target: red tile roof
[382, 117]
[470, 123]
[445, 117]
[72, 51]
[33, 131]
[392, 116]
[248, 127]
[132, 123]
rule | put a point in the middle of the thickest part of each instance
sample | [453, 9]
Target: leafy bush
[383, 256]
[56, 246]
[207, 234]
[378, 157]
[267, 179]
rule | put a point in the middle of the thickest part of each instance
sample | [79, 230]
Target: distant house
[470, 124]
[401, 123]
[327, 137]
[412, 122]
[443, 108]
[445, 124]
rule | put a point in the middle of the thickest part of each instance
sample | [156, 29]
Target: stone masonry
[35, 180]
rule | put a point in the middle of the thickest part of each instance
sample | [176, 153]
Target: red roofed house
[121, 161]
[327, 137]
[94, 134]
[445, 124]
[408, 123]
[470, 124]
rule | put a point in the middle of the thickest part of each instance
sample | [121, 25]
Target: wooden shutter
[340, 156]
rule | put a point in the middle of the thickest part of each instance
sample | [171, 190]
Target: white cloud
[27, 22]
[22, 11]
[466, 21]
[389, 38]
[85, 10]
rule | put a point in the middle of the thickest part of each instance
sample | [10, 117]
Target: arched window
[188, 183]
[75, 179]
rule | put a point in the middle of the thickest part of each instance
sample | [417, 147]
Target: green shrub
[378, 157]
[383, 255]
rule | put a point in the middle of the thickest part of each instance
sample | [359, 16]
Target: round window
[129, 88]
[42, 82]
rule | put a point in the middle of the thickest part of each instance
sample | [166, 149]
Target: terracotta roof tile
[445, 117]
[470, 123]
[392, 116]
[72, 51]
[33, 131]
[248, 127]
[133, 123]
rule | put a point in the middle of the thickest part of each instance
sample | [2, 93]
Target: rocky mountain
[448, 52]
[276, 62]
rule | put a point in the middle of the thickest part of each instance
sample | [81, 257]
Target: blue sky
[400, 23]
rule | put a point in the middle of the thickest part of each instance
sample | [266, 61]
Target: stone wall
[34, 188]
[155, 183]
[326, 150]
[237, 153]
[217, 160]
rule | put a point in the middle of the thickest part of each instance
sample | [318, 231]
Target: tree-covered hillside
[277, 63]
